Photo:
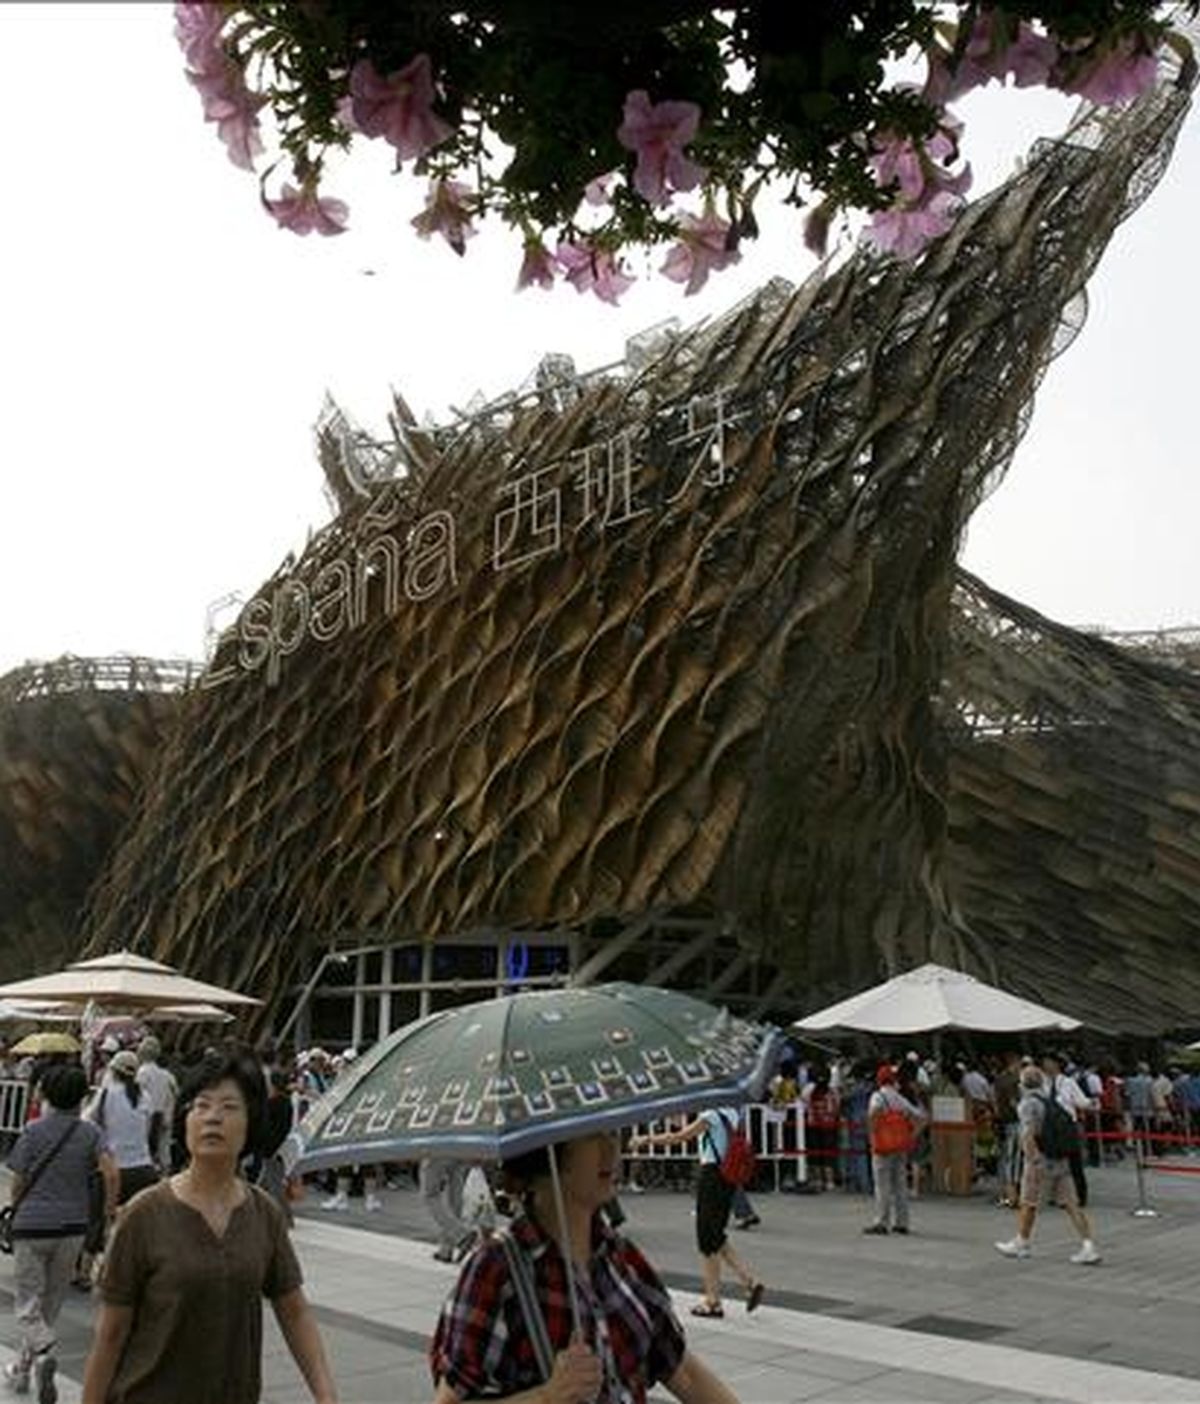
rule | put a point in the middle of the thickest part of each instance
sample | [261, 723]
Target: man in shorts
[1043, 1178]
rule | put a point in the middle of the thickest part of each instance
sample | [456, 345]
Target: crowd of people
[142, 1184]
[162, 1189]
[1118, 1110]
[170, 1167]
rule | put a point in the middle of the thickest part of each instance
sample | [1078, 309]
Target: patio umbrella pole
[565, 1241]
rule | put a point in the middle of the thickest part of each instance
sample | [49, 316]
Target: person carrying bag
[47, 1219]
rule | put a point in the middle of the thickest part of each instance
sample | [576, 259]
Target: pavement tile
[1121, 1334]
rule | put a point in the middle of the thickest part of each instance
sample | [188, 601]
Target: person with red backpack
[726, 1162]
[893, 1122]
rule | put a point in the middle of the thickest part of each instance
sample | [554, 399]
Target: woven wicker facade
[1074, 813]
[76, 740]
[684, 639]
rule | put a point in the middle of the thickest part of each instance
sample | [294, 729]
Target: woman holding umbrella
[486, 1345]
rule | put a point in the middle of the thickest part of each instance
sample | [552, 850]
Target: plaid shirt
[482, 1346]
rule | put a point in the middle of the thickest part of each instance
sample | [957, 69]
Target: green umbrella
[492, 1080]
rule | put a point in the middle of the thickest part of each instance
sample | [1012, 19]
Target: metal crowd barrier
[776, 1134]
[14, 1106]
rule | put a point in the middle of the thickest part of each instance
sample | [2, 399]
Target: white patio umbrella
[15, 1011]
[933, 997]
[121, 980]
[187, 1014]
[123, 960]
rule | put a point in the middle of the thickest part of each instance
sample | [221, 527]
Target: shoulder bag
[520, 1269]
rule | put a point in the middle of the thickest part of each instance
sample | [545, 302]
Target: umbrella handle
[565, 1242]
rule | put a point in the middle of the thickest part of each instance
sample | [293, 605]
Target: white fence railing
[14, 1105]
[776, 1133]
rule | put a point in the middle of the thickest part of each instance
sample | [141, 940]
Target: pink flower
[927, 193]
[898, 161]
[905, 231]
[703, 248]
[240, 133]
[595, 192]
[589, 269]
[1031, 57]
[990, 55]
[537, 266]
[303, 211]
[220, 81]
[234, 108]
[1121, 73]
[446, 213]
[398, 108]
[198, 28]
[657, 134]
[919, 170]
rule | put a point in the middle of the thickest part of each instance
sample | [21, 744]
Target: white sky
[165, 350]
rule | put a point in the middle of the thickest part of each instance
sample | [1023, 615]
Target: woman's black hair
[237, 1065]
[519, 1172]
[64, 1086]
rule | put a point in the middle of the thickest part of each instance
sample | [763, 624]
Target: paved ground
[938, 1316]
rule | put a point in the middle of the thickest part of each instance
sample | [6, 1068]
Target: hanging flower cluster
[660, 127]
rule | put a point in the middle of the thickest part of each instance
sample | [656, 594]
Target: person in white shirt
[976, 1086]
[159, 1091]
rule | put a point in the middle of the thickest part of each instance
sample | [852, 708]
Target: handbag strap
[35, 1175]
[521, 1271]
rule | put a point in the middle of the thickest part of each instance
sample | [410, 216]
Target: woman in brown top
[189, 1265]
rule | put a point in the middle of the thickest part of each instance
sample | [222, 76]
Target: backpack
[891, 1132]
[1059, 1137]
[739, 1162]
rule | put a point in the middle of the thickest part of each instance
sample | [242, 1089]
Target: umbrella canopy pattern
[932, 997]
[51, 1041]
[495, 1079]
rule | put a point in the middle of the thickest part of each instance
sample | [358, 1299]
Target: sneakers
[44, 1367]
[372, 1203]
[1014, 1248]
[749, 1222]
[1086, 1256]
[336, 1204]
[900, 1228]
[16, 1376]
[442, 1255]
[875, 1228]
